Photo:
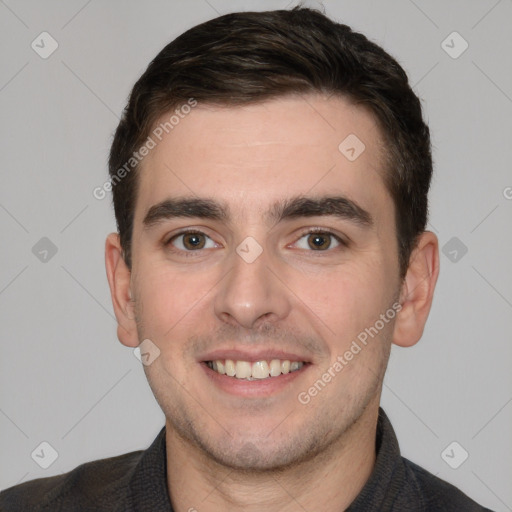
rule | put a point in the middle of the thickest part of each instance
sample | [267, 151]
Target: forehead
[254, 155]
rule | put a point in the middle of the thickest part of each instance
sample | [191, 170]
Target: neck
[329, 482]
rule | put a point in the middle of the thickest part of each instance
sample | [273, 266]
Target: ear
[119, 275]
[417, 291]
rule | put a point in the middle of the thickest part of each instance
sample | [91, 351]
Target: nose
[252, 292]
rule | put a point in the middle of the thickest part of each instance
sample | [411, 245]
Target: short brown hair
[249, 57]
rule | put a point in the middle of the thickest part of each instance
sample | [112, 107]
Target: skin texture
[232, 452]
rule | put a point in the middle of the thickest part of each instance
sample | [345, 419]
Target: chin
[261, 451]
[251, 458]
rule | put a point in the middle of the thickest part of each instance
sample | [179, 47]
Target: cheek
[350, 299]
[164, 300]
[167, 306]
[358, 339]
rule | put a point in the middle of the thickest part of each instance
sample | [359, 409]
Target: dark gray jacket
[137, 482]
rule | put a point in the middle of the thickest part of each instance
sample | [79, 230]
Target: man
[270, 178]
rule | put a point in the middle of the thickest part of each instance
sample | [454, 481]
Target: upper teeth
[256, 370]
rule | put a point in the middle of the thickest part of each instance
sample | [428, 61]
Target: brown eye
[193, 240]
[319, 240]
[189, 241]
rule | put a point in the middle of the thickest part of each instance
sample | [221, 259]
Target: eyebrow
[291, 208]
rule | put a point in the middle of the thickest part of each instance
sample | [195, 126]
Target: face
[283, 259]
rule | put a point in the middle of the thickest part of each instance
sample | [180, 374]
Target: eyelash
[311, 231]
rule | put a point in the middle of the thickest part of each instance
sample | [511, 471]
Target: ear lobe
[119, 280]
[417, 291]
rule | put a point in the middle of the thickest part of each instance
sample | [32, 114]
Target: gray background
[66, 380]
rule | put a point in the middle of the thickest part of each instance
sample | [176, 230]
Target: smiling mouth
[254, 370]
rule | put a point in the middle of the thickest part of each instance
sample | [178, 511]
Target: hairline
[387, 157]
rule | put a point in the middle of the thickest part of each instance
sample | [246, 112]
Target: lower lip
[253, 388]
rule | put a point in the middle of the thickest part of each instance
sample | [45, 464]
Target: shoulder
[97, 485]
[436, 494]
